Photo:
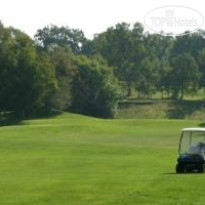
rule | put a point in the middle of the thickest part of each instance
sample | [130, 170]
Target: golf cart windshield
[192, 141]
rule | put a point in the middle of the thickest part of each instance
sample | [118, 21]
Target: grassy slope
[79, 160]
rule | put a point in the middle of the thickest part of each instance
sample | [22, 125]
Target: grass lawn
[76, 160]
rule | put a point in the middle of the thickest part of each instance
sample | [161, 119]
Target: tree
[148, 77]
[52, 36]
[189, 43]
[62, 59]
[122, 47]
[201, 63]
[158, 48]
[7, 61]
[31, 77]
[94, 88]
[184, 76]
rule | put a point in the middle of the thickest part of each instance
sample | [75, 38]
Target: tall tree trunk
[182, 94]
[129, 89]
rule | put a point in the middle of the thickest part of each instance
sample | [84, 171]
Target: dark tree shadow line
[181, 108]
[10, 119]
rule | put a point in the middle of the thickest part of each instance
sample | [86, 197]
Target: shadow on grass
[169, 173]
[10, 122]
[181, 108]
[9, 119]
[202, 124]
[174, 109]
[185, 173]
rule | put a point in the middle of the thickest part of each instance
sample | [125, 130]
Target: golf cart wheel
[201, 168]
[179, 168]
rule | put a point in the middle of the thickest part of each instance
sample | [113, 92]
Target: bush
[94, 88]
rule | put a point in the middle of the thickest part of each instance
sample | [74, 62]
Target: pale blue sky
[92, 16]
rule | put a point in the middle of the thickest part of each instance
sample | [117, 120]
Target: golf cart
[191, 151]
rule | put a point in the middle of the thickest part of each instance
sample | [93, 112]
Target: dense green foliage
[51, 37]
[27, 79]
[60, 69]
[150, 62]
[94, 88]
[71, 159]
[37, 77]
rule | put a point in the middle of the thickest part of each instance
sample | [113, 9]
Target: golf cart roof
[194, 129]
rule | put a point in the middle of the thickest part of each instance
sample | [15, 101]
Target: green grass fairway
[77, 160]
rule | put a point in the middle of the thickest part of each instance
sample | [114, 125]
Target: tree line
[152, 63]
[60, 69]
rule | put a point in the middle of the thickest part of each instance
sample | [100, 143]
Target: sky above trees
[92, 16]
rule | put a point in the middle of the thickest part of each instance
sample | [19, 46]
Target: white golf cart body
[192, 141]
[191, 151]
